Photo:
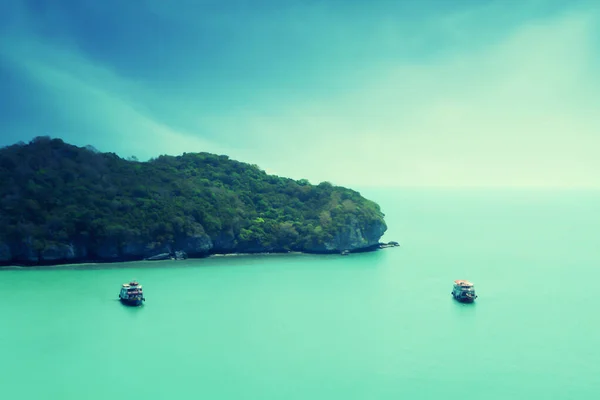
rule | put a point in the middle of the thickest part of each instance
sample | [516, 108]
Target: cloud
[518, 113]
[406, 95]
[95, 105]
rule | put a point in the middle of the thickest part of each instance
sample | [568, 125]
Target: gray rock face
[139, 249]
[80, 246]
[180, 255]
[108, 250]
[353, 236]
[58, 252]
[152, 249]
[159, 257]
[388, 244]
[133, 249]
[225, 242]
[5, 253]
[198, 244]
[356, 237]
[24, 252]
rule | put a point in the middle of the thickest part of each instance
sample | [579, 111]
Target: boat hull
[464, 299]
[132, 302]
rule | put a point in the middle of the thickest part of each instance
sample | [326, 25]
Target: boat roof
[132, 284]
[463, 282]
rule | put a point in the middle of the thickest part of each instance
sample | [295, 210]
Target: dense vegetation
[52, 192]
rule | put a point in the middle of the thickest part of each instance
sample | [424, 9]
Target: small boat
[464, 291]
[132, 294]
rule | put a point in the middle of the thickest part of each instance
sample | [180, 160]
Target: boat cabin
[131, 289]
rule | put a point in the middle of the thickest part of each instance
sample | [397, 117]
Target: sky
[407, 93]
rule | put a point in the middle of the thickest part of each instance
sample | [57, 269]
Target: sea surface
[378, 325]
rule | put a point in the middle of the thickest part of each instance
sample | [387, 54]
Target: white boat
[132, 294]
[464, 291]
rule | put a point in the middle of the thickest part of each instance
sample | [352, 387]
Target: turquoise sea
[378, 325]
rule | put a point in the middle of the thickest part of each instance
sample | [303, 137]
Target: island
[61, 203]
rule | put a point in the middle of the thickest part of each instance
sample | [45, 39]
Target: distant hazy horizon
[457, 93]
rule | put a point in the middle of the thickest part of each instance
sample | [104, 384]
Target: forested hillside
[62, 203]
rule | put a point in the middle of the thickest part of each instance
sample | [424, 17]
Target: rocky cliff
[351, 238]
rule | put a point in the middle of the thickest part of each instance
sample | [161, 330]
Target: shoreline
[107, 263]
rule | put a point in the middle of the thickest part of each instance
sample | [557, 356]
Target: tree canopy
[53, 192]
